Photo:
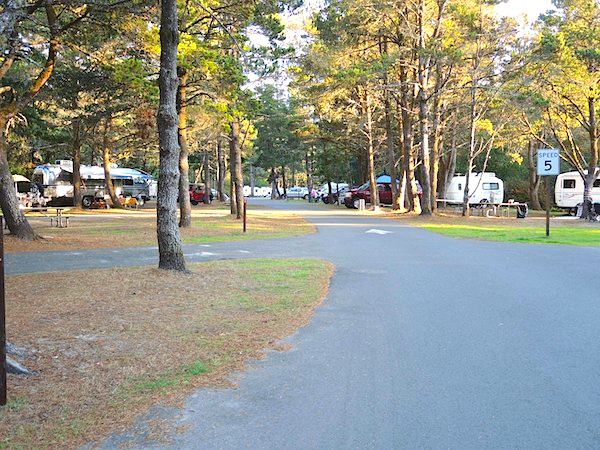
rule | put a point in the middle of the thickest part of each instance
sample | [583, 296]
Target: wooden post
[2, 320]
[547, 207]
[245, 211]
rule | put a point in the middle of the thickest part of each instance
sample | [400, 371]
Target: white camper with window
[568, 190]
[484, 187]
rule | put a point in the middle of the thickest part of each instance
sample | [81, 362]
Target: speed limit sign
[548, 162]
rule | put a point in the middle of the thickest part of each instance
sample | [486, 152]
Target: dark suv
[384, 186]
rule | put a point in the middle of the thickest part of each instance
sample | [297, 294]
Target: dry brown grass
[138, 228]
[119, 341]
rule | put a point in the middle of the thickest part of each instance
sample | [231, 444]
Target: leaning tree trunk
[167, 231]
[221, 174]
[110, 187]
[77, 197]
[14, 217]
[185, 205]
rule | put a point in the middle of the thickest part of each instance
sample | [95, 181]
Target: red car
[384, 186]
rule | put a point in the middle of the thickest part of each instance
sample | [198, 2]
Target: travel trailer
[55, 181]
[22, 186]
[568, 190]
[484, 187]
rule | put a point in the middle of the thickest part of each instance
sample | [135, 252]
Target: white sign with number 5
[548, 162]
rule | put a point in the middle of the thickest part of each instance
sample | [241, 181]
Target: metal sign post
[548, 164]
[2, 320]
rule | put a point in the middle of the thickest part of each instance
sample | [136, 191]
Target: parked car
[384, 187]
[297, 192]
[323, 192]
[197, 193]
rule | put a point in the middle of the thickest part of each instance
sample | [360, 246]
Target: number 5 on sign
[548, 162]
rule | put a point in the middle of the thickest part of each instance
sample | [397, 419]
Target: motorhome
[484, 187]
[568, 190]
[55, 181]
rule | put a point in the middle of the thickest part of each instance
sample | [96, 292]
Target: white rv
[484, 187]
[55, 181]
[568, 190]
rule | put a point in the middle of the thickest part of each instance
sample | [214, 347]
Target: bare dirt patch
[107, 348]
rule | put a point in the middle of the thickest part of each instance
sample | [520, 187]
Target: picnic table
[57, 219]
[490, 210]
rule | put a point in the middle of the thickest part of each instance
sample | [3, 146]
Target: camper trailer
[484, 187]
[55, 181]
[568, 191]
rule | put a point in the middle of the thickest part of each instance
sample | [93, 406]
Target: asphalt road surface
[423, 342]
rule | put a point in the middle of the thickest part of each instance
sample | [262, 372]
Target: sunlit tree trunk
[371, 152]
[185, 205]
[106, 157]
[237, 178]
[167, 229]
[13, 216]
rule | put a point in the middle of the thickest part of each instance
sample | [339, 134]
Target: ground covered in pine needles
[130, 228]
[108, 348]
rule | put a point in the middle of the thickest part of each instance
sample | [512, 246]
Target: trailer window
[597, 183]
[568, 184]
[491, 186]
[128, 182]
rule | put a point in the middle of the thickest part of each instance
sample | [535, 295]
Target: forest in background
[419, 90]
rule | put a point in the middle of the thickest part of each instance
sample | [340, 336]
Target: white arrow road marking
[200, 254]
[243, 251]
[374, 231]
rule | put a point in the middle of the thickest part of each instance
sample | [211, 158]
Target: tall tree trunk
[207, 184]
[371, 153]
[466, 210]
[233, 142]
[592, 173]
[436, 131]
[221, 168]
[237, 176]
[185, 205]
[77, 197]
[283, 181]
[407, 140]
[309, 174]
[273, 181]
[389, 134]
[533, 178]
[423, 78]
[106, 154]
[13, 216]
[167, 230]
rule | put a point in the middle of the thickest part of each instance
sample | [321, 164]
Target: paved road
[423, 342]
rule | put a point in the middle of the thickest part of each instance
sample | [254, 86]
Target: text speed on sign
[548, 162]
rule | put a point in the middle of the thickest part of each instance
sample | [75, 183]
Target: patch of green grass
[163, 382]
[579, 236]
